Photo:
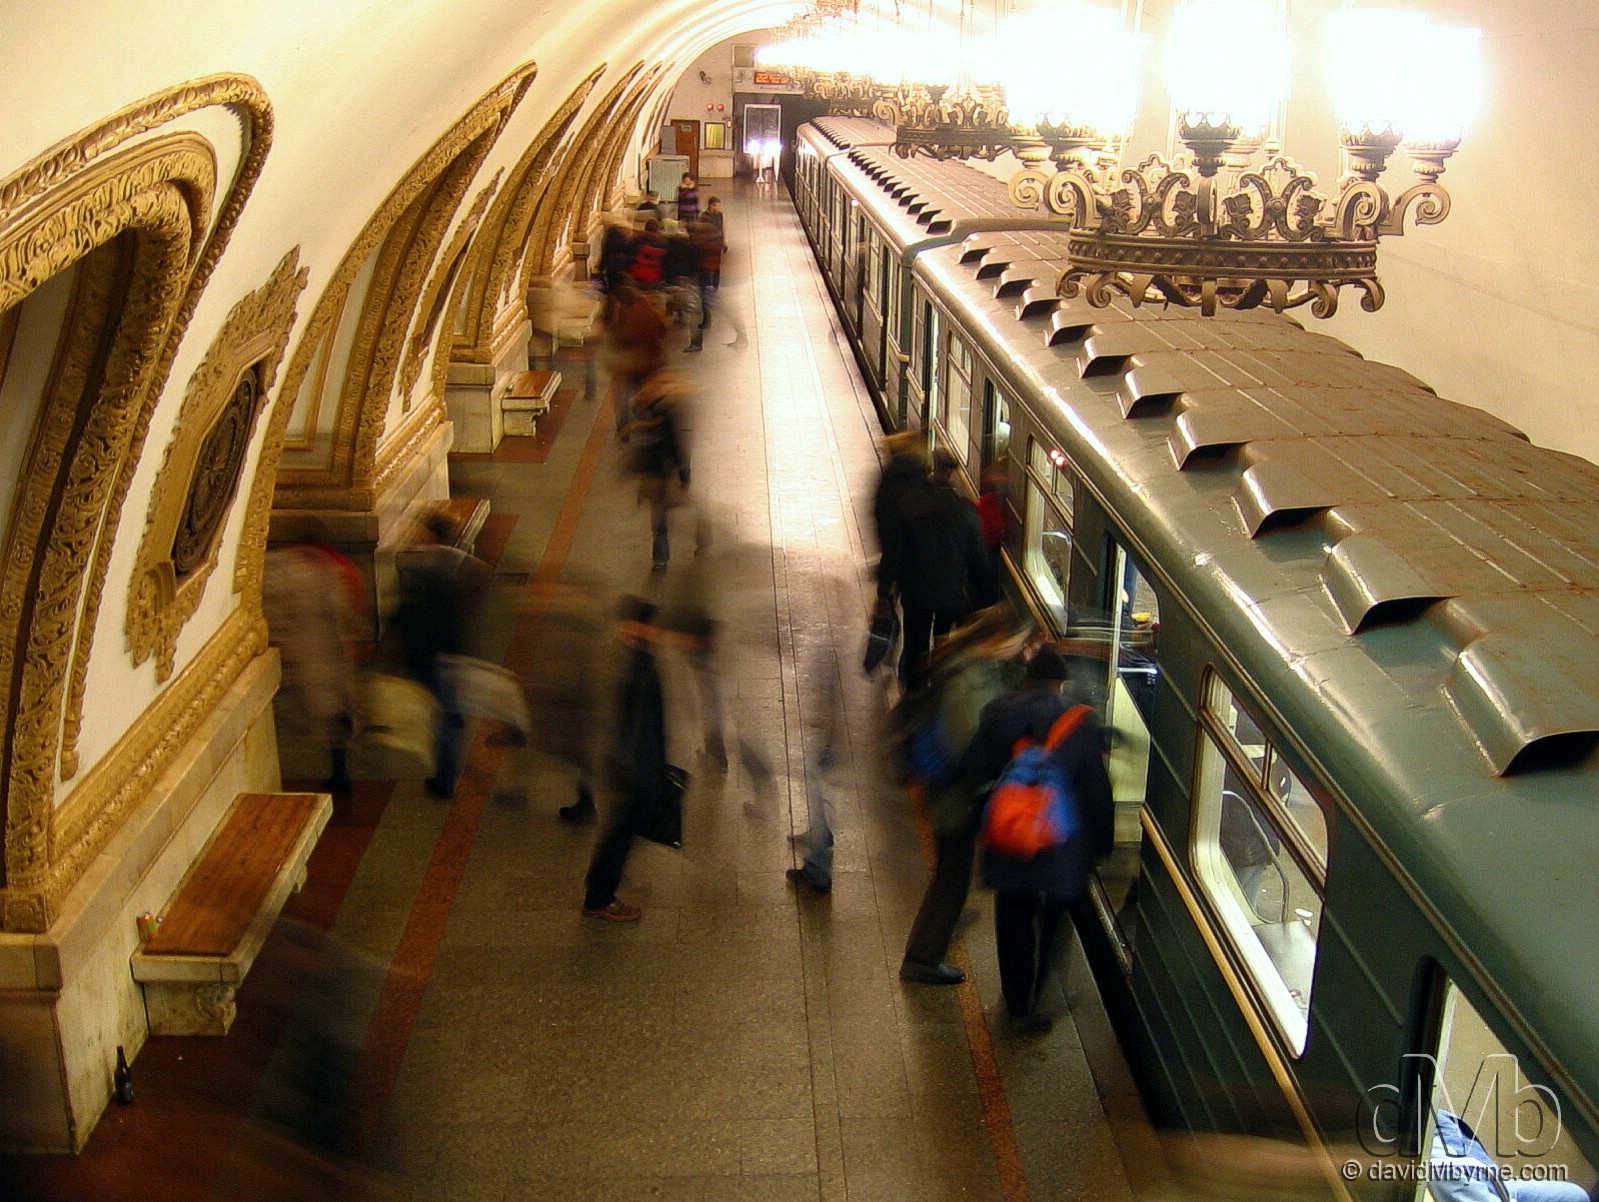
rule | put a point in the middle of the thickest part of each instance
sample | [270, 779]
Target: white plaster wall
[360, 91]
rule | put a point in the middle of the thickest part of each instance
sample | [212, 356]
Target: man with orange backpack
[1050, 815]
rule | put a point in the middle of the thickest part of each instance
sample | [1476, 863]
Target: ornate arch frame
[556, 201]
[432, 331]
[252, 340]
[407, 233]
[131, 208]
[490, 307]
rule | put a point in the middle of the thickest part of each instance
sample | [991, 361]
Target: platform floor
[742, 1041]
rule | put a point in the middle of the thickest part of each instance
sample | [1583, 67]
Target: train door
[861, 269]
[996, 428]
[1130, 669]
[895, 345]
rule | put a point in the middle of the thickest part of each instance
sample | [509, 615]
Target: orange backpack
[1031, 808]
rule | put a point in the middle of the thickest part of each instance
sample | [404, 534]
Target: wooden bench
[526, 399]
[223, 911]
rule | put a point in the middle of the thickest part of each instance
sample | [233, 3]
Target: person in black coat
[940, 566]
[1032, 896]
[638, 760]
[906, 468]
[439, 586]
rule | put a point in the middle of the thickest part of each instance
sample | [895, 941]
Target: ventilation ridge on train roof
[1429, 510]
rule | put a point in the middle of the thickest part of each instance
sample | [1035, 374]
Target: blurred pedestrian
[906, 467]
[616, 255]
[1032, 896]
[683, 278]
[637, 759]
[695, 604]
[648, 208]
[632, 346]
[659, 460]
[439, 586]
[314, 601]
[649, 258]
[717, 220]
[941, 566]
[975, 664]
[824, 748]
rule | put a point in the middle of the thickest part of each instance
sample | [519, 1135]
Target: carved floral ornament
[199, 477]
[129, 205]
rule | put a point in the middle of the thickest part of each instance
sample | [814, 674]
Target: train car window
[1489, 1116]
[996, 425]
[1260, 856]
[958, 396]
[1047, 521]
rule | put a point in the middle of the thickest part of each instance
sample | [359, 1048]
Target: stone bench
[526, 399]
[217, 921]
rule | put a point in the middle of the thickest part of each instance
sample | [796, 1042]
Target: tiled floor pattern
[741, 1042]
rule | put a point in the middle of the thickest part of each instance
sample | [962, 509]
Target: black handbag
[880, 638]
[660, 816]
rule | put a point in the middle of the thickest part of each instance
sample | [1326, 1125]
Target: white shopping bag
[487, 691]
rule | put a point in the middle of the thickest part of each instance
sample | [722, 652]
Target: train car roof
[919, 201]
[1412, 587]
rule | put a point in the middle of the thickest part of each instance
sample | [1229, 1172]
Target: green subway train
[1344, 634]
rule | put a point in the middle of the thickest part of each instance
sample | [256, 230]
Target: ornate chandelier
[911, 71]
[1232, 222]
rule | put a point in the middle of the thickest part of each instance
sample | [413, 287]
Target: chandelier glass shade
[1230, 221]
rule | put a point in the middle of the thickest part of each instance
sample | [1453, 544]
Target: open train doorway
[1126, 690]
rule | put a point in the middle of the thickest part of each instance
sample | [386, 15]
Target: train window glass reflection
[1260, 854]
[932, 378]
[1047, 518]
[1491, 1109]
[958, 396]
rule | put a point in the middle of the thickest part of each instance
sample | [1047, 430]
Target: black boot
[338, 780]
[582, 810]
